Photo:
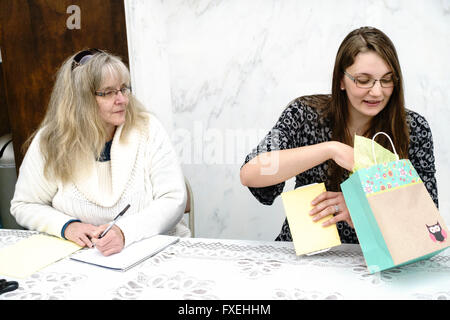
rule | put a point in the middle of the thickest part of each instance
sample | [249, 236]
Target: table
[218, 269]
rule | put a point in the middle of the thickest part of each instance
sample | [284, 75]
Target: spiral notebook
[129, 257]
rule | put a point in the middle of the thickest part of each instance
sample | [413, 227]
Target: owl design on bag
[437, 233]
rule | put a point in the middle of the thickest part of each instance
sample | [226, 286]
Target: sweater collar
[123, 158]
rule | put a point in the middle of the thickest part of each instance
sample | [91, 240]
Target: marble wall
[218, 73]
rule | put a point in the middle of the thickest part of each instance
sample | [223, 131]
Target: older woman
[95, 152]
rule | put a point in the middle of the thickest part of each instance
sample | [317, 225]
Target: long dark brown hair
[391, 120]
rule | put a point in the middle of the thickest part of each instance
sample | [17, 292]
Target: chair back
[190, 207]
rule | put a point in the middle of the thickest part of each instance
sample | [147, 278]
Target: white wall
[219, 73]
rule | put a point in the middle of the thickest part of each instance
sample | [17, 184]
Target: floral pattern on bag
[388, 176]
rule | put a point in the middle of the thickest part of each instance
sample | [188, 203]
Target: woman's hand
[81, 233]
[331, 203]
[112, 242]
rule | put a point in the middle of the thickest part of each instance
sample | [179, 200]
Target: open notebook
[130, 256]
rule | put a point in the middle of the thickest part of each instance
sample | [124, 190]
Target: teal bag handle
[373, 147]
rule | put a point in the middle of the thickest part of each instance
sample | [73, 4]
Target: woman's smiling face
[367, 102]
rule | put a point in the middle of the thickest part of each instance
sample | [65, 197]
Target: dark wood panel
[35, 40]
[4, 117]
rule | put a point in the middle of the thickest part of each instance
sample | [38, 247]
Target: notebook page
[30, 255]
[129, 256]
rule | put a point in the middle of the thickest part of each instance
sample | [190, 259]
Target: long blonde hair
[72, 131]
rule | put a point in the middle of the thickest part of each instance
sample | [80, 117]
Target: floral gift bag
[394, 216]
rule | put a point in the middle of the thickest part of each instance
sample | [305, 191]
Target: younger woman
[313, 138]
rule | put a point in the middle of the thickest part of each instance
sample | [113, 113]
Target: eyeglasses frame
[116, 92]
[394, 81]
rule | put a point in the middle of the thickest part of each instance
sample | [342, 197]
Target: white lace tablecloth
[199, 268]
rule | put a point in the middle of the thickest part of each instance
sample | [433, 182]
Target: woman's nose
[120, 97]
[376, 90]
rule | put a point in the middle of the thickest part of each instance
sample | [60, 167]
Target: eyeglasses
[366, 82]
[125, 91]
[83, 57]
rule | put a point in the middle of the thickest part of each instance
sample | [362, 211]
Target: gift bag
[394, 216]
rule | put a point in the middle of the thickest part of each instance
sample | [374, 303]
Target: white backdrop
[218, 73]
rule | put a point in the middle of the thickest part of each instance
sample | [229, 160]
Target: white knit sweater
[143, 172]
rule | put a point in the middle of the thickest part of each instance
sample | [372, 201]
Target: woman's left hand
[112, 242]
[331, 203]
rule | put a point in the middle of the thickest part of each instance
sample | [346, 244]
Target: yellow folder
[29, 255]
[308, 236]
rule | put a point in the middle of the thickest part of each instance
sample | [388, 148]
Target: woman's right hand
[287, 163]
[112, 242]
[81, 233]
[342, 154]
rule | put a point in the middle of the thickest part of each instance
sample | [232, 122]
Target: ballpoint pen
[112, 223]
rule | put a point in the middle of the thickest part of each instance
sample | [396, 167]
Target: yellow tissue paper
[363, 155]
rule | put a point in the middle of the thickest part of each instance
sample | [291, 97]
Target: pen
[112, 223]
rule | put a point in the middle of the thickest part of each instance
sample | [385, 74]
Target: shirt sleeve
[31, 205]
[421, 153]
[284, 135]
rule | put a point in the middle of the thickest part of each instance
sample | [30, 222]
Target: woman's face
[112, 106]
[364, 103]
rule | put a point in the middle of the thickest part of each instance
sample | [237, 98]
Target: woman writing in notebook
[95, 152]
[313, 138]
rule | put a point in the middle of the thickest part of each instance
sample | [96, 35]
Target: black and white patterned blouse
[299, 125]
[106, 152]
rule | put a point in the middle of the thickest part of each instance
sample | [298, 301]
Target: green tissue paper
[364, 157]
